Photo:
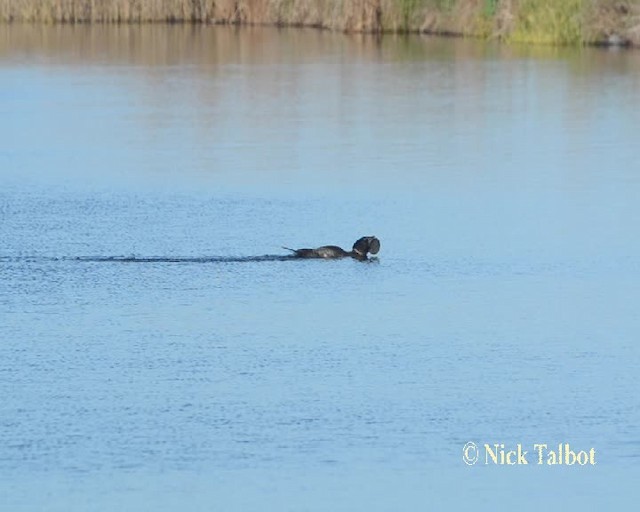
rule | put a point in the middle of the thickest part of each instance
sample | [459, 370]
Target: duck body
[326, 251]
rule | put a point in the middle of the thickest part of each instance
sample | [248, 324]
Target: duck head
[366, 245]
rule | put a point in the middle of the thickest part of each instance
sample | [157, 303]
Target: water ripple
[159, 259]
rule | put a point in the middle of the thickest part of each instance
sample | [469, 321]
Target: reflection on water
[208, 47]
[293, 107]
[158, 352]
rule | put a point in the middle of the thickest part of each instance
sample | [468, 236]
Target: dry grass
[542, 21]
[607, 19]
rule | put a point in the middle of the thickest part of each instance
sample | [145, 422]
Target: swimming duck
[361, 248]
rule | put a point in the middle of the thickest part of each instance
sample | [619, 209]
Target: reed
[107, 11]
[537, 21]
[549, 21]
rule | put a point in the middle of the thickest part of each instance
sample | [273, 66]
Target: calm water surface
[157, 354]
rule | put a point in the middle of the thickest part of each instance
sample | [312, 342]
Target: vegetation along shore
[607, 22]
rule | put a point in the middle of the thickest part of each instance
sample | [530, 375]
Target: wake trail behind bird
[150, 259]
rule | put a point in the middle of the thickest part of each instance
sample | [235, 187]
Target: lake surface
[156, 353]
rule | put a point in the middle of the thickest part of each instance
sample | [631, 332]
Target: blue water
[158, 350]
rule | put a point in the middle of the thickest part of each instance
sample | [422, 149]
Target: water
[159, 350]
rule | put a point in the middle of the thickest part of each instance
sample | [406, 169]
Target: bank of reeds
[538, 21]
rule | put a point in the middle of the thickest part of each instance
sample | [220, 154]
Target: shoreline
[548, 22]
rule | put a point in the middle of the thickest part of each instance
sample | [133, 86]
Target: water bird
[361, 248]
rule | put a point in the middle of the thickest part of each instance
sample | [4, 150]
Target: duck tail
[289, 249]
